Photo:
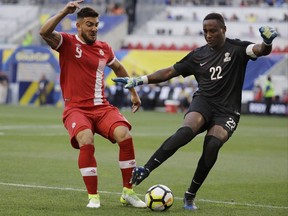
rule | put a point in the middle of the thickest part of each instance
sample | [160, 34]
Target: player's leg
[182, 136]
[268, 102]
[78, 126]
[116, 128]
[208, 158]
[127, 159]
[127, 162]
[88, 166]
[194, 122]
[217, 135]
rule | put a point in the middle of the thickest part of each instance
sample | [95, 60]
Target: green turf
[39, 174]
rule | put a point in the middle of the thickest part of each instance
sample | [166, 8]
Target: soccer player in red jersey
[87, 111]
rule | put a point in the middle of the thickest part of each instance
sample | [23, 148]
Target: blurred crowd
[155, 95]
[242, 3]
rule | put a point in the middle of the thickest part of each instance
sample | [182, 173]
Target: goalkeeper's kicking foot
[94, 201]
[189, 203]
[129, 197]
[139, 174]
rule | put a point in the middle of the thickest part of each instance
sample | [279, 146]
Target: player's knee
[85, 137]
[121, 133]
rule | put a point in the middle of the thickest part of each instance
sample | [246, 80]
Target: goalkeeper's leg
[182, 136]
[194, 123]
[209, 156]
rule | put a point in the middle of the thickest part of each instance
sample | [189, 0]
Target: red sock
[88, 168]
[126, 161]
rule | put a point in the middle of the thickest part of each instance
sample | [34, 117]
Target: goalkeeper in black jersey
[219, 68]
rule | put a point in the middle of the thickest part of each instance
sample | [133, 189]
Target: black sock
[211, 148]
[182, 136]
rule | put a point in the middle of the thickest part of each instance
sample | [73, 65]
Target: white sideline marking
[178, 198]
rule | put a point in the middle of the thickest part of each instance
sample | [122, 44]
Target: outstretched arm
[159, 76]
[162, 75]
[268, 34]
[47, 31]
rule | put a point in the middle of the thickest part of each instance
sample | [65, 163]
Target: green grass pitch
[39, 172]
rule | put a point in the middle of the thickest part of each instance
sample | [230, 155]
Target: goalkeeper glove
[130, 81]
[268, 34]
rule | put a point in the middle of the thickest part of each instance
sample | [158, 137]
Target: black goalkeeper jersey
[219, 73]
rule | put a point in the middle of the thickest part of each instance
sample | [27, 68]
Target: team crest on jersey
[227, 57]
[101, 52]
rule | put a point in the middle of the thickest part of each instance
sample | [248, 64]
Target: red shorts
[100, 119]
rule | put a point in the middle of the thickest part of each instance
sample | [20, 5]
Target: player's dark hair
[217, 17]
[87, 12]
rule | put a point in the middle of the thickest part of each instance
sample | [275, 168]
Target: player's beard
[89, 39]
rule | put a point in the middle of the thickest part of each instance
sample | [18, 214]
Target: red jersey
[82, 71]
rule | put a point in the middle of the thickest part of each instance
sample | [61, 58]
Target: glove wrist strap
[267, 44]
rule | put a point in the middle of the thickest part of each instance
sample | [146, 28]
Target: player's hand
[129, 82]
[268, 34]
[72, 6]
[136, 102]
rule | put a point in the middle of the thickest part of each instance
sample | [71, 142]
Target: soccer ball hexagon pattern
[159, 198]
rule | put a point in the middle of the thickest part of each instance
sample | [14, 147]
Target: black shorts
[214, 115]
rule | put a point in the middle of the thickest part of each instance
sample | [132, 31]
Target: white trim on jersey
[78, 38]
[112, 61]
[127, 164]
[249, 51]
[88, 171]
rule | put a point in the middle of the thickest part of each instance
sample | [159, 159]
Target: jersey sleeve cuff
[145, 79]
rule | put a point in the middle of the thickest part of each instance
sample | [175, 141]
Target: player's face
[87, 29]
[214, 33]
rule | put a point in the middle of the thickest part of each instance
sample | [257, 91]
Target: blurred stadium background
[146, 35]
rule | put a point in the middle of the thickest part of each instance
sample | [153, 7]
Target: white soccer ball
[159, 198]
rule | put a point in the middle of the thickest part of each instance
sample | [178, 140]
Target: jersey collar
[77, 37]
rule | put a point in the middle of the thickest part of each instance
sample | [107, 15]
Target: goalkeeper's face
[214, 33]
